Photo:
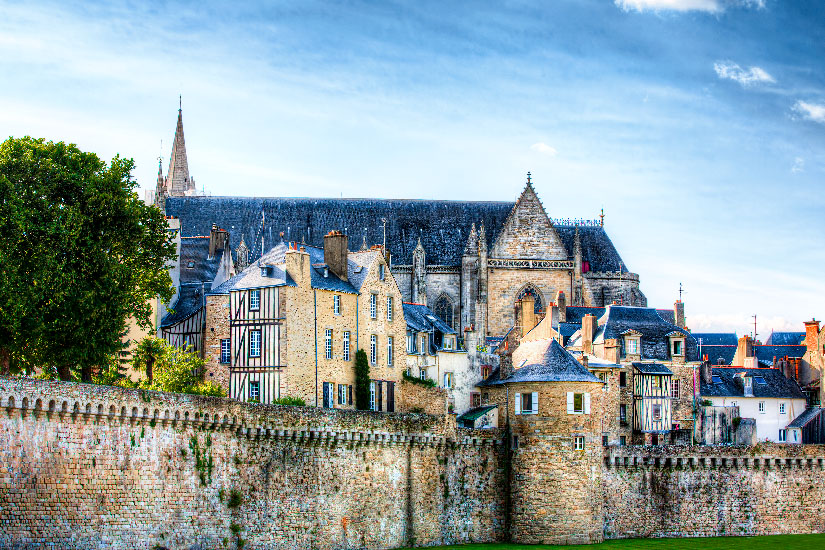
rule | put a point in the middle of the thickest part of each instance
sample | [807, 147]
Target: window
[475, 399]
[578, 442]
[389, 351]
[762, 407]
[373, 306]
[604, 441]
[632, 346]
[622, 440]
[423, 344]
[342, 394]
[657, 413]
[448, 380]
[448, 342]
[254, 391]
[623, 379]
[373, 349]
[422, 373]
[733, 403]
[389, 308]
[527, 403]
[485, 371]
[336, 304]
[329, 395]
[411, 342]
[623, 413]
[602, 376]
[782, 408]
[381, 268]
[226, 353]
[346, 345]
[674, 389]
[677, 347]
[328, 343]
[255, 300]
[760, 380]
[444, 310]
[255, 343]
[716, 379]
[372, 396]
[783, 436]
[578, 403]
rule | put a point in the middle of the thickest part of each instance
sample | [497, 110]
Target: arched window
[533, 292]
[444, 310]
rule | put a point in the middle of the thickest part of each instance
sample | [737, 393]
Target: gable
[528, 232]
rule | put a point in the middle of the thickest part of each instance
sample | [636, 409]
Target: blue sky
[699, 125]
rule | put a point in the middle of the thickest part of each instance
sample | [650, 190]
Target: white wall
[771, 421]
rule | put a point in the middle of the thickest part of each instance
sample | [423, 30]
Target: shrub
[362, 381]
[291, 401]
[421, 382]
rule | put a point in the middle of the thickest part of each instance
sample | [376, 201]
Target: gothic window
[444, 310]
[533, 292]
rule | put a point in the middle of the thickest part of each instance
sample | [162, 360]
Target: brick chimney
[217, 240]
[589, 324]
[679, 313]
[335, 253]
[561, 302]
[811, 334]
[744, 349]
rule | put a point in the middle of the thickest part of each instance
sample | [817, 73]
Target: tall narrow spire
[178, 181]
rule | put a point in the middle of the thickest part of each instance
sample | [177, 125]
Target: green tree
[362, 380]
[81, 254]
[173, 369]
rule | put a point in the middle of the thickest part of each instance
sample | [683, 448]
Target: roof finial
[601, 217]
[528, 178]
[180, 103]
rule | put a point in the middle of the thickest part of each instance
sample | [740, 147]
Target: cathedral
[471, 262]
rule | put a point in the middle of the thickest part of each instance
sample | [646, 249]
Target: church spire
[178, 181]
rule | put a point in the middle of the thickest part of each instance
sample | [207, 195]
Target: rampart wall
[85, 466]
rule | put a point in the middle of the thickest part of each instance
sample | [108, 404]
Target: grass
[785, 542]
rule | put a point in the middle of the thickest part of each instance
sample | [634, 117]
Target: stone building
[290, 325]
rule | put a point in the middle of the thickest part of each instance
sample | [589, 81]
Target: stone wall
[421, 398]
[767, 489]
[85, 466]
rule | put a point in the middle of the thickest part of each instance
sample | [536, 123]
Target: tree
[174, 369]
[362, 381]
[147, 353]
[81, 254]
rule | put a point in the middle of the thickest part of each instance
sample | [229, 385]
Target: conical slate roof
[545, 361]
[178, 182]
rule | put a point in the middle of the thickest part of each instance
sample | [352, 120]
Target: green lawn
[783, 542]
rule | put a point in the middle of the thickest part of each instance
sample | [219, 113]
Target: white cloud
[810, 111]
[798, 165]
[709, 6]
[544, 149]
[745, 77]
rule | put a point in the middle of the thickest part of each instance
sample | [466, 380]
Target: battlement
[89, 404]
[764, 456]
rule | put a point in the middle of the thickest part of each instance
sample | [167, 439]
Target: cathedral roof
[178, 180]
[442, 226]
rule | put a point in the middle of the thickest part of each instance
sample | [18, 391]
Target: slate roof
[765, 354]
[544, 361]
[652, 368]
[801, 420]
[785, 338]
[442, 226]
[189, 301]
[617, 320]
[196, 251]
[777, 385]
[576, 313]
[715, 353]
[421, 318]
[668, 315]
[567, 330]
[716, 338]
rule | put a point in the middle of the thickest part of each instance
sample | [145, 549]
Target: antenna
[754, 328]
[680, 292]
[263, 228]
[384, 222]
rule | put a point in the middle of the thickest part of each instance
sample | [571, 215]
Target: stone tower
[418, 292]
[178, 182]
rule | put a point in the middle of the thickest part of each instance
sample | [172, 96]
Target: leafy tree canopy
[81, 254]
[173, 369]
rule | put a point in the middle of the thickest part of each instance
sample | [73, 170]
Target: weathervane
[528, 178]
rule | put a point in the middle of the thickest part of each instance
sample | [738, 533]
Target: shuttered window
[527, 403]
[372, 396]
[578, 403]
[329, 395]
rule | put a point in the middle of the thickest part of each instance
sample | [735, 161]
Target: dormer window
[190, 264]
[677, 347]
[631, 344]
[677, 344]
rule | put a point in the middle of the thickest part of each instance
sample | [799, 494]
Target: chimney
[561, 302]
[298, 266]
[679, 313]
[217, 240]
[744, 349]
[811, 333]
[588, 330]
[335, 253]
[706, 371]
[527, 314]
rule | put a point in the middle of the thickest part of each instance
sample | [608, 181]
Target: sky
[698, 125]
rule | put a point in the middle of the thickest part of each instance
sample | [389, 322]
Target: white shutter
[535, 402]
[587, 403]
[570, 402]
[518, 403]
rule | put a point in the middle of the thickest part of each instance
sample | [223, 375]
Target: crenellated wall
[704, 491]
[85, 466]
